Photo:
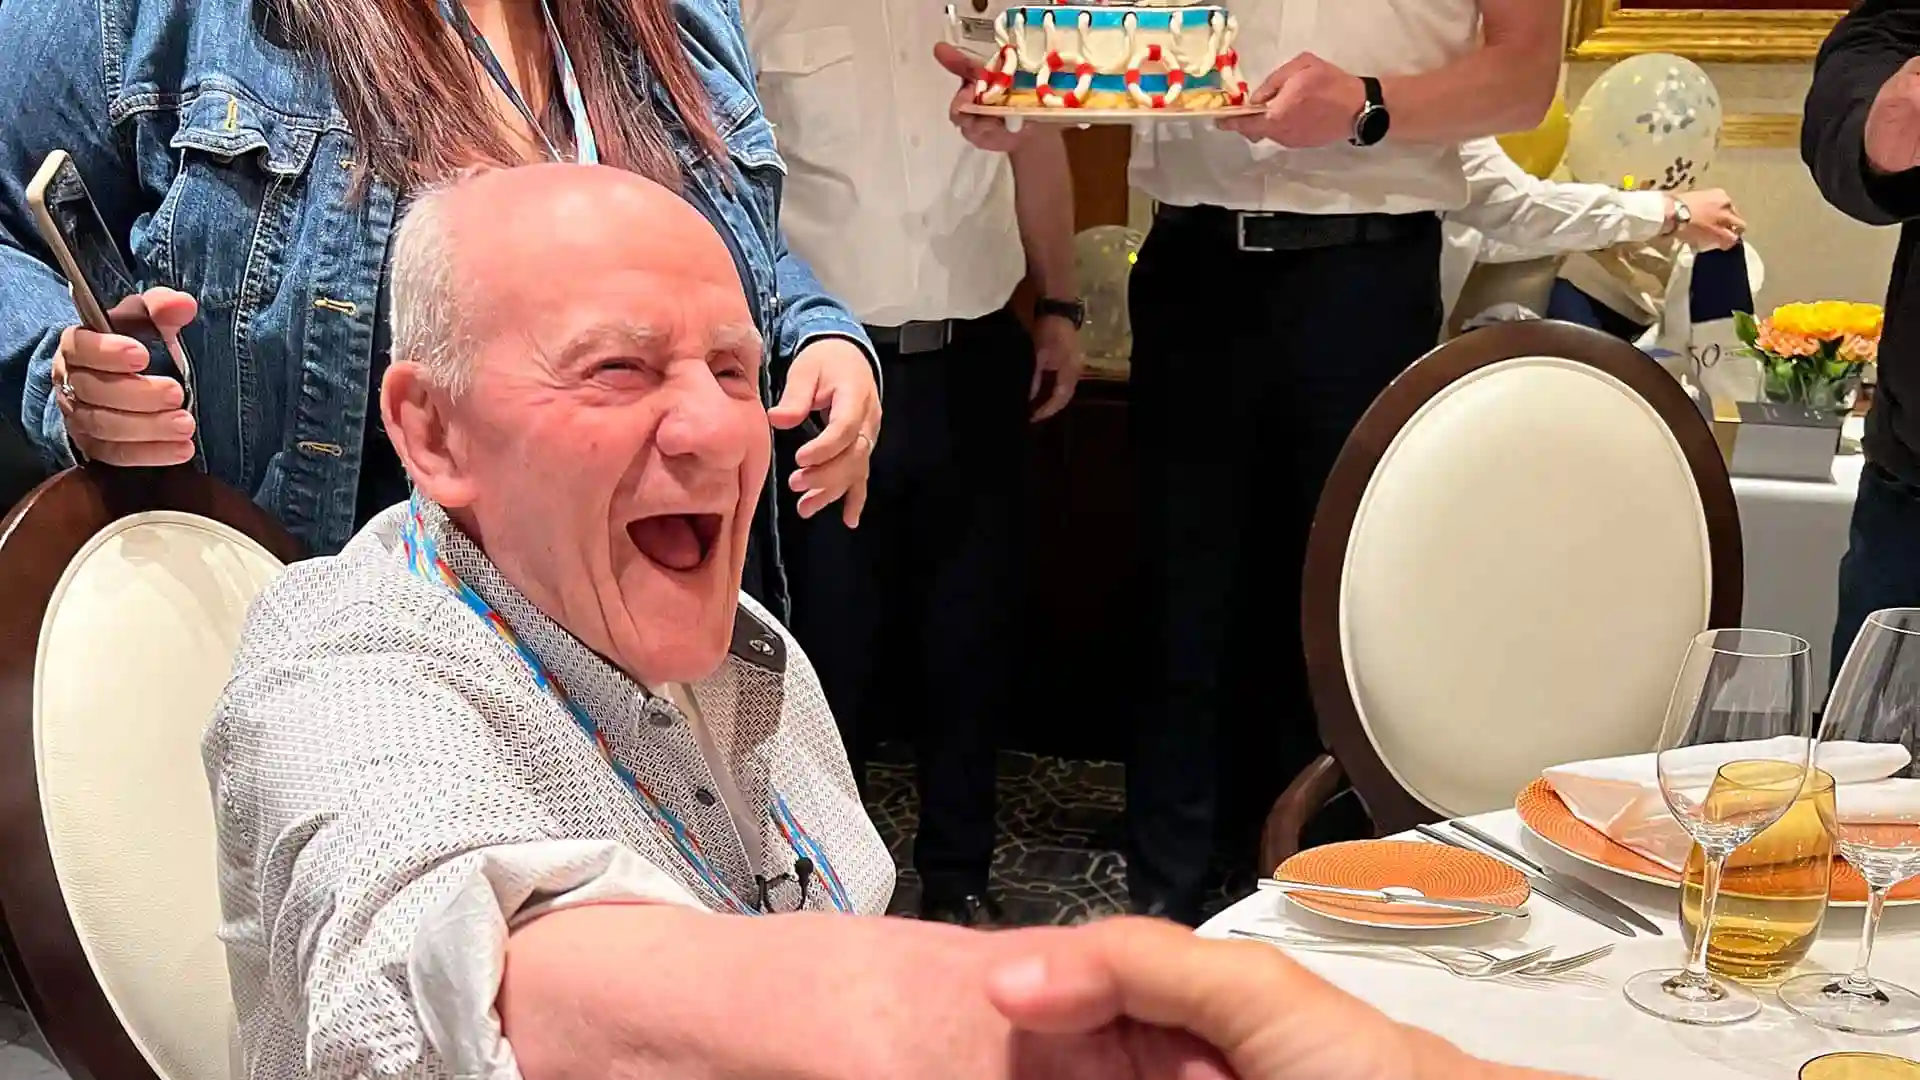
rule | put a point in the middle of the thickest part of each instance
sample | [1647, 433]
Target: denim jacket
[216, 148]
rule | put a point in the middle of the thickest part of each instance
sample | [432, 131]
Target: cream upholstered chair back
[1513, 551]
[124, 595]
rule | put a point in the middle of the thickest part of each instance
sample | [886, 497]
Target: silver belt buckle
[925, 337]
[1240, 232]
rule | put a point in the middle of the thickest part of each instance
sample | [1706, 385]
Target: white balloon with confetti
[1104, 256]
[1649, 123]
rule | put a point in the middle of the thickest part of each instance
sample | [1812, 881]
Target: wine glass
[1734, 753]
[1875, 706]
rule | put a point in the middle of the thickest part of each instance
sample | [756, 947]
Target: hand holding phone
[121, 379]
[116, 413]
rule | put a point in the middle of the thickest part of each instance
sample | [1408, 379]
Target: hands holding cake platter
[1309, 103]
[986, 132]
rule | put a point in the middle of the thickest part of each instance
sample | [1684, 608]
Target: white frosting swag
[1620, 796]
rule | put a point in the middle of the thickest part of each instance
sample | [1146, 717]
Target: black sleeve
[1863, 52]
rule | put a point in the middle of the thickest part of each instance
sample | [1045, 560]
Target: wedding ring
[66, 389]
[865, 438]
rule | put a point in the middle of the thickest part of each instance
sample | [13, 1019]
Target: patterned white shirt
[395, 791]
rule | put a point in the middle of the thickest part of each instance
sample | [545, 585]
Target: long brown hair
[414, 99]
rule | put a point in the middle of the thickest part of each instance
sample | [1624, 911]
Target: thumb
[170, 309]
[956, 60]
[1056, 993]
[796, 401]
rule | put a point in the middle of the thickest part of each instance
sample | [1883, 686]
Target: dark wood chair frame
[1349, 752]
[38, 540]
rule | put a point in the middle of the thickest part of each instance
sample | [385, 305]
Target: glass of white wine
[1746, 689]
[1876, 826]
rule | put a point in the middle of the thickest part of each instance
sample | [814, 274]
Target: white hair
[428, 321]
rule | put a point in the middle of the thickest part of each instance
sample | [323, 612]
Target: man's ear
[420, 421]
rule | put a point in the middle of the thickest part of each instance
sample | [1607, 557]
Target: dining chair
[122, 595]
[1508, 560]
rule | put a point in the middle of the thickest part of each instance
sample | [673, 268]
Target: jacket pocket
[228, 214]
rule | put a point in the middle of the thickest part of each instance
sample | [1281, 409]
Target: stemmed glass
[1876, 700]
[1733, 756]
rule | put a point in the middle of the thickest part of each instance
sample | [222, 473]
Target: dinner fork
[1545, 968]
[1474, 968]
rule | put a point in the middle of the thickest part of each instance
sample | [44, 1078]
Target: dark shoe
[979, 912]
[1162, 908]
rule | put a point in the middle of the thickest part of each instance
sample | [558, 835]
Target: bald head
[576, 379]
[475, 256]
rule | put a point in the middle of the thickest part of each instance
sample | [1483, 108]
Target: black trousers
[920, 599]
[1249, 371]
[1882, 565]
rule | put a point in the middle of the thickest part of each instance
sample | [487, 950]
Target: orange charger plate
[1542, 811]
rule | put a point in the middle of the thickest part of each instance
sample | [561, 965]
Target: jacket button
[705, 796]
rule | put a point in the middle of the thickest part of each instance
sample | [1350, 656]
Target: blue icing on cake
[1151, 54]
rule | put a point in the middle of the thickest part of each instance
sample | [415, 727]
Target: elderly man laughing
[498, 784]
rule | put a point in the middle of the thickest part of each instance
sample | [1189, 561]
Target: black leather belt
[914, 337]
[1265, 232]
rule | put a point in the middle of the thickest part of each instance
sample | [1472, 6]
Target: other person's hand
[1716, 225]
[1309, 102]
[832, 375]
[986, 132]
[1893, 124]
[1057, 365]
[1268, 1018]
[114, 412]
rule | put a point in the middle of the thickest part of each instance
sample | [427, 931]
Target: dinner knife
[1572, 884]
[1579, 905]
[1383, 896]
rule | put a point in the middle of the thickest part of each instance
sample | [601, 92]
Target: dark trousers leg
[1882, 565]
[842, 581]
[966, 539]
[1243, 394]
[928, 581]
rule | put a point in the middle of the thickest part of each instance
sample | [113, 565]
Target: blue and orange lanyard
[423, 558]
[586, 148]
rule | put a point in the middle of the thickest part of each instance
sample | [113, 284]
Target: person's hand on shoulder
[115, 413]
[1713, 224]
[833, 376]
[1309, 103]
[1268, 1018]
[1893, 123]
[986, 132]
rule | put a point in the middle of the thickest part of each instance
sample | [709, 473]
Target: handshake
[1237, 1010]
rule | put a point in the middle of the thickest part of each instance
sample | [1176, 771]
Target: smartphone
[104, 291]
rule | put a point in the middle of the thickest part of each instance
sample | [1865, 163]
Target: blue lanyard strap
[586, 147]
[423, 558]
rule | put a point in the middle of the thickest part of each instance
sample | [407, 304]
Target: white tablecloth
[1794, 534]
[1581, 1024]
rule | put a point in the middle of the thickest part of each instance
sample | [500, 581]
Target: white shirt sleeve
[1521, 217]
[377, 850]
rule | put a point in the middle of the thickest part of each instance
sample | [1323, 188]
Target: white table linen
[1794, 533]
[1581, 1024]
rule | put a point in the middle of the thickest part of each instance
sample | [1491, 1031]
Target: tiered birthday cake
[1104, 54]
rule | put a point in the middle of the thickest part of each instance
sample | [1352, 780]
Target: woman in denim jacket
[253, 156]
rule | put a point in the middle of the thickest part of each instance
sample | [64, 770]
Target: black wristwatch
[1074, 311]
[1370, 126]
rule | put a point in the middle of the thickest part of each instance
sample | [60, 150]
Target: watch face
[1372, 126]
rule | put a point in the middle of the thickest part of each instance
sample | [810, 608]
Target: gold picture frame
[1608, 30]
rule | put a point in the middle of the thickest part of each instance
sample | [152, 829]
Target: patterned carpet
[1058, 859]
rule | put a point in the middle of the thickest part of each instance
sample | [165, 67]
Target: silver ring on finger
[863, 437]
[66, 388]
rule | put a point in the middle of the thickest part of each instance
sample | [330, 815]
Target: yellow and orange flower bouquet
[1813, 354]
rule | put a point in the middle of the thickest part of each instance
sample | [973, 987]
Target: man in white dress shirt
[1512, 216]
[925, 238]
[1292, 271]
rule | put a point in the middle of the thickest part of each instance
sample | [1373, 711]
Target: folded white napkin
[1621, 796]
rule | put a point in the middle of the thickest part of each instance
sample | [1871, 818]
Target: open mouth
[680, 542]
